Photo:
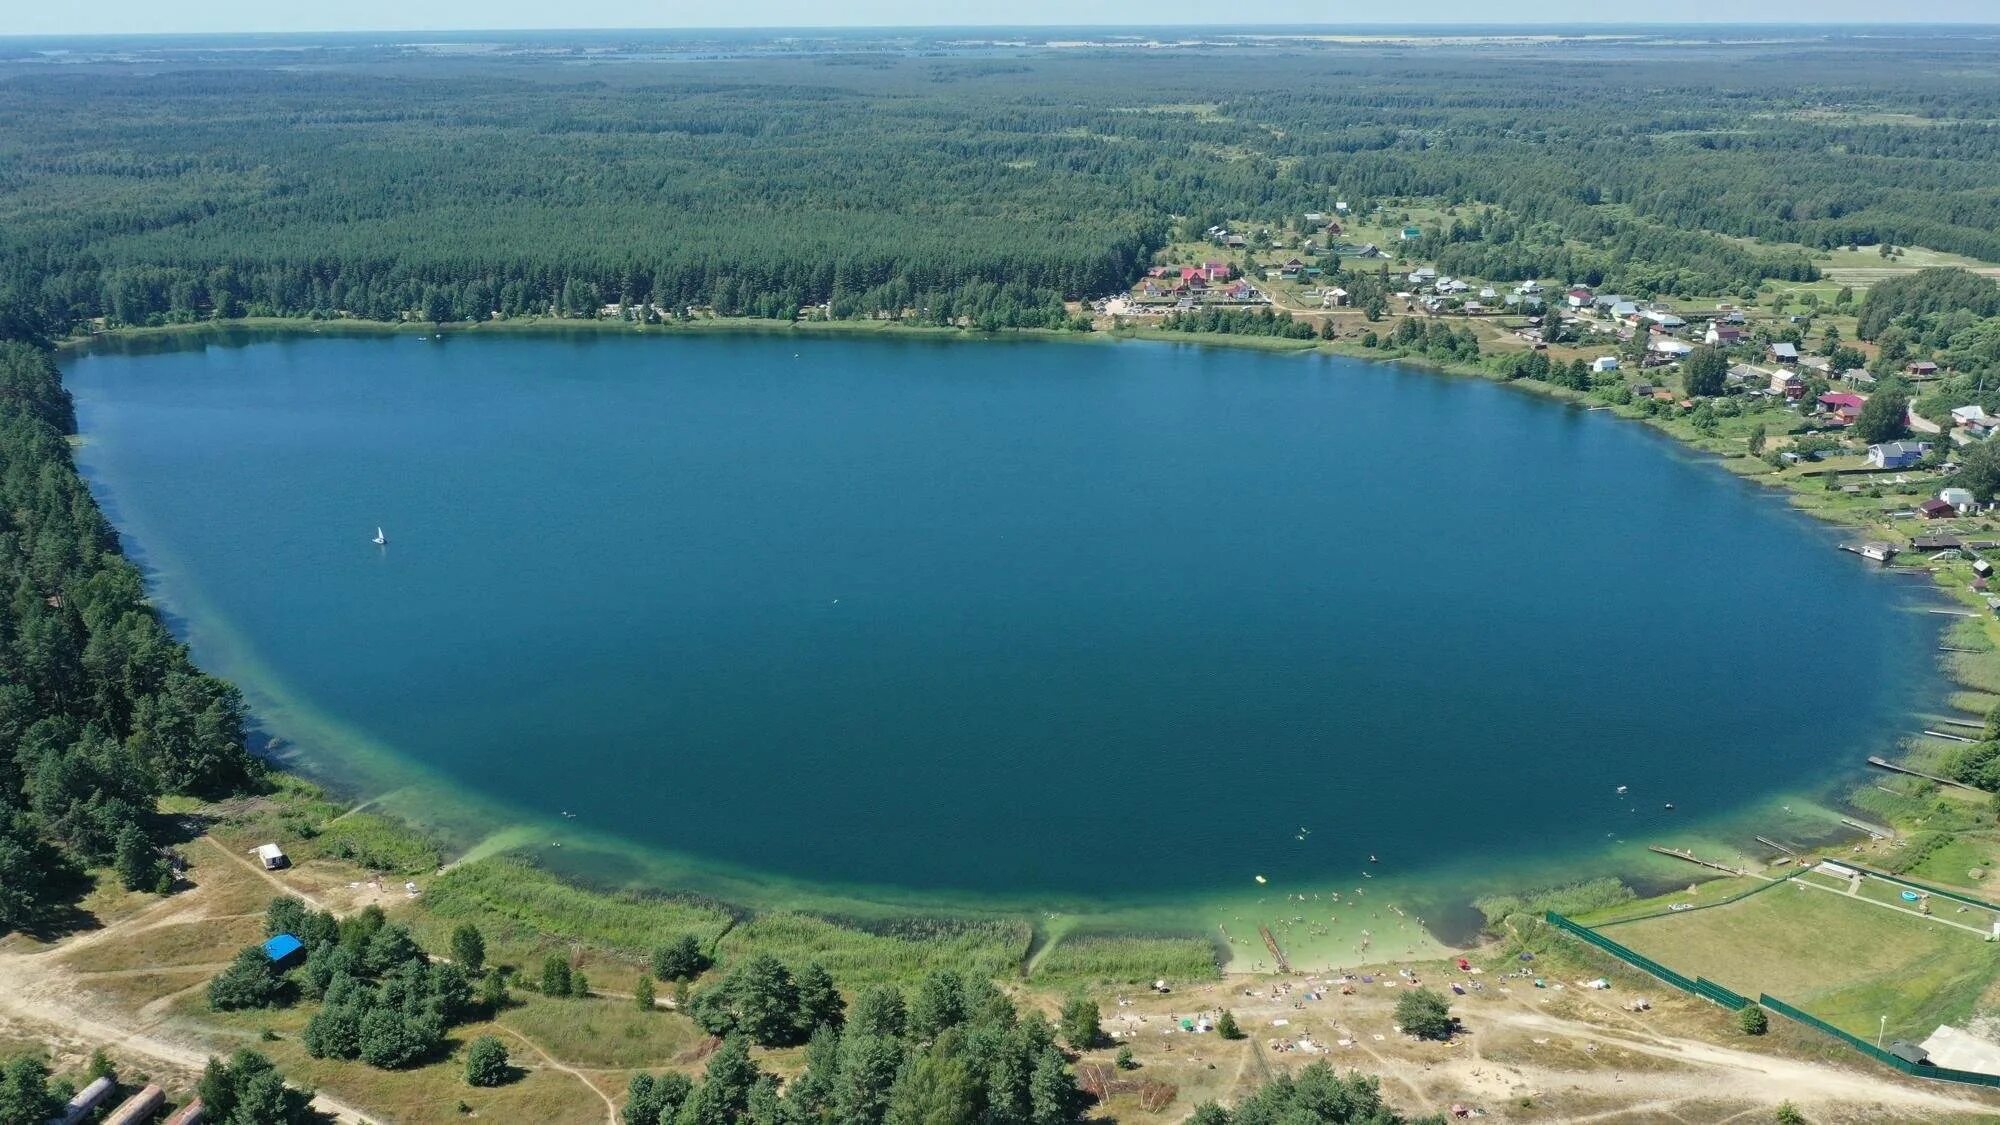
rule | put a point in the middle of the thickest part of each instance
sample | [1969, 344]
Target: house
[1411, 234]
[1935, 509]
[1234, 241]
[1972, 417]
[1291, 268]
[1669, 347]
[1922, 369]
[1784, 352]
[1621, 310]
[1487, 293]
[1845, 407]
[1818, 364]
[1788, 384]
[1316, 218]
[1452, 285]
[1662, 316]
[1742, 374]
[1858, 377]
[1722, 335]
[1340, 207]
[1473, 308]
[1578, 297]
[1217, 271]
[1607, 301]
[1604, 364]
[1528, 288]
[1961, 499]
[1334, 298]
[284, 949]
[1423, 276]
[272, 856]
[1897, 454]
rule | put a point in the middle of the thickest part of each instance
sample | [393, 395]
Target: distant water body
[1010, 620]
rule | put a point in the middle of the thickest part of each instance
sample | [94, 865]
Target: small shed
[1936, 510]
[1909, 1052]
[272, 856]
[284, 949]
[139, 1107]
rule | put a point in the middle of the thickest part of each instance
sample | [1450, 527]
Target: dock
[1882, 763]
[1873, 831]
[1277, 955]
[1948, 737]
[1681, 853]
[1770, 843]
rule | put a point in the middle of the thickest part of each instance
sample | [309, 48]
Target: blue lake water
[1019, 619]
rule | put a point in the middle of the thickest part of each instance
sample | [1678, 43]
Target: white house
[1667, 346]
[1604, 363]
[1971, 416]
[1960, 498]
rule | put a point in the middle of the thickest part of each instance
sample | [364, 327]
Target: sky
[126, 17]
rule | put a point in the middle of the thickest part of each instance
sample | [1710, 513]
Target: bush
[468, 947]
[486, 1062]
[1425, 1014]
[679, 959]
[250, 981]
[1080, 1026]
[1752, 1021]
[1225, 1025]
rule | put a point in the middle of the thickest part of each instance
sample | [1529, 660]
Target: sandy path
[610, 1107]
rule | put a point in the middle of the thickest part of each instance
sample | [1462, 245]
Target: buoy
[1261, 879]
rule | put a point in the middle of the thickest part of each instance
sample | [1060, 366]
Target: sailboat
[381, 540]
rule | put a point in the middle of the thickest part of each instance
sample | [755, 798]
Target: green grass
[1848, 962]
[1125, 959]
[602, 1033]
[378, 842]
[512, 900]
[900, 951]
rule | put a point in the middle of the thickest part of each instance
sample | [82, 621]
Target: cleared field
[1888, 961]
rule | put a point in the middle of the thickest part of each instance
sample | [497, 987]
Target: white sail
[379, 537]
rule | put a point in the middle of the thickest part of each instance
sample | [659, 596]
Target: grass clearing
[1123, 959]
[1888, 962]
[604, 1033]
[898, 952]
[515, 902]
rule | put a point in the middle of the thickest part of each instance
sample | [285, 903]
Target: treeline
[101, 712]
[1262, 321]
[945, 190]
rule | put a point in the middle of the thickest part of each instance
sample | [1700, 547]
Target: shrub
[1425, 1014]
[1752, 1021]
[486, 1062]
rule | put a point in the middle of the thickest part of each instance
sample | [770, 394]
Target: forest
[951, 190]
[101, 711]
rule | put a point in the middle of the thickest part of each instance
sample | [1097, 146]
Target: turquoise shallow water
[1007, 619]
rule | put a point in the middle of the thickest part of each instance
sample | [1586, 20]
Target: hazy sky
[27, 17]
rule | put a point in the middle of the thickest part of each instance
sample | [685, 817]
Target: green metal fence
[1886, 1058]
[1739, 896]
[1736, 1002]
[1955, 896]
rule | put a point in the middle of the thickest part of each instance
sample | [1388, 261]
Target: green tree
[937, 1090]
[1080, 1023]
[486, 1062]
[389, 947]
[556, 976]
[1755, 442]
[468, 948]
[138, 864]
[250, 981]
[1225, 1025]
[1124, 1059]
[1752, 1021]
[818, 1003]
[938, 1006]
[25, 1096]
[493, 993]
[879, 1009]
[1425, 1013]
[1979, 469]
[642, 993]
[248, 1090]
[651, 1101]
[679, 959]
[1884, 417]
[1704, 373]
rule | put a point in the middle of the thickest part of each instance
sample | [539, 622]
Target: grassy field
[1887, 960]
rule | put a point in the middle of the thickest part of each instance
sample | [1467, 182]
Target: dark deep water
[1009, 618]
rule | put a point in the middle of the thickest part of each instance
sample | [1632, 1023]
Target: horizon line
[1509, 29]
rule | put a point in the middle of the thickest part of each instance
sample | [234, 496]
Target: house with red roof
[1845, 407]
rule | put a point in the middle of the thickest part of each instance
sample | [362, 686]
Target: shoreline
[518, 830]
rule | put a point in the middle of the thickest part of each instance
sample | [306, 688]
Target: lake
[1012, 621]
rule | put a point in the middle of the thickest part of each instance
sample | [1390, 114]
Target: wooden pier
[1679, 853]
[1882, 763]
[1948, 737]
[1277, 955]
[1770, 843]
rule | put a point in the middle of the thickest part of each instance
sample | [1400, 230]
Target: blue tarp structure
[283, 948]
